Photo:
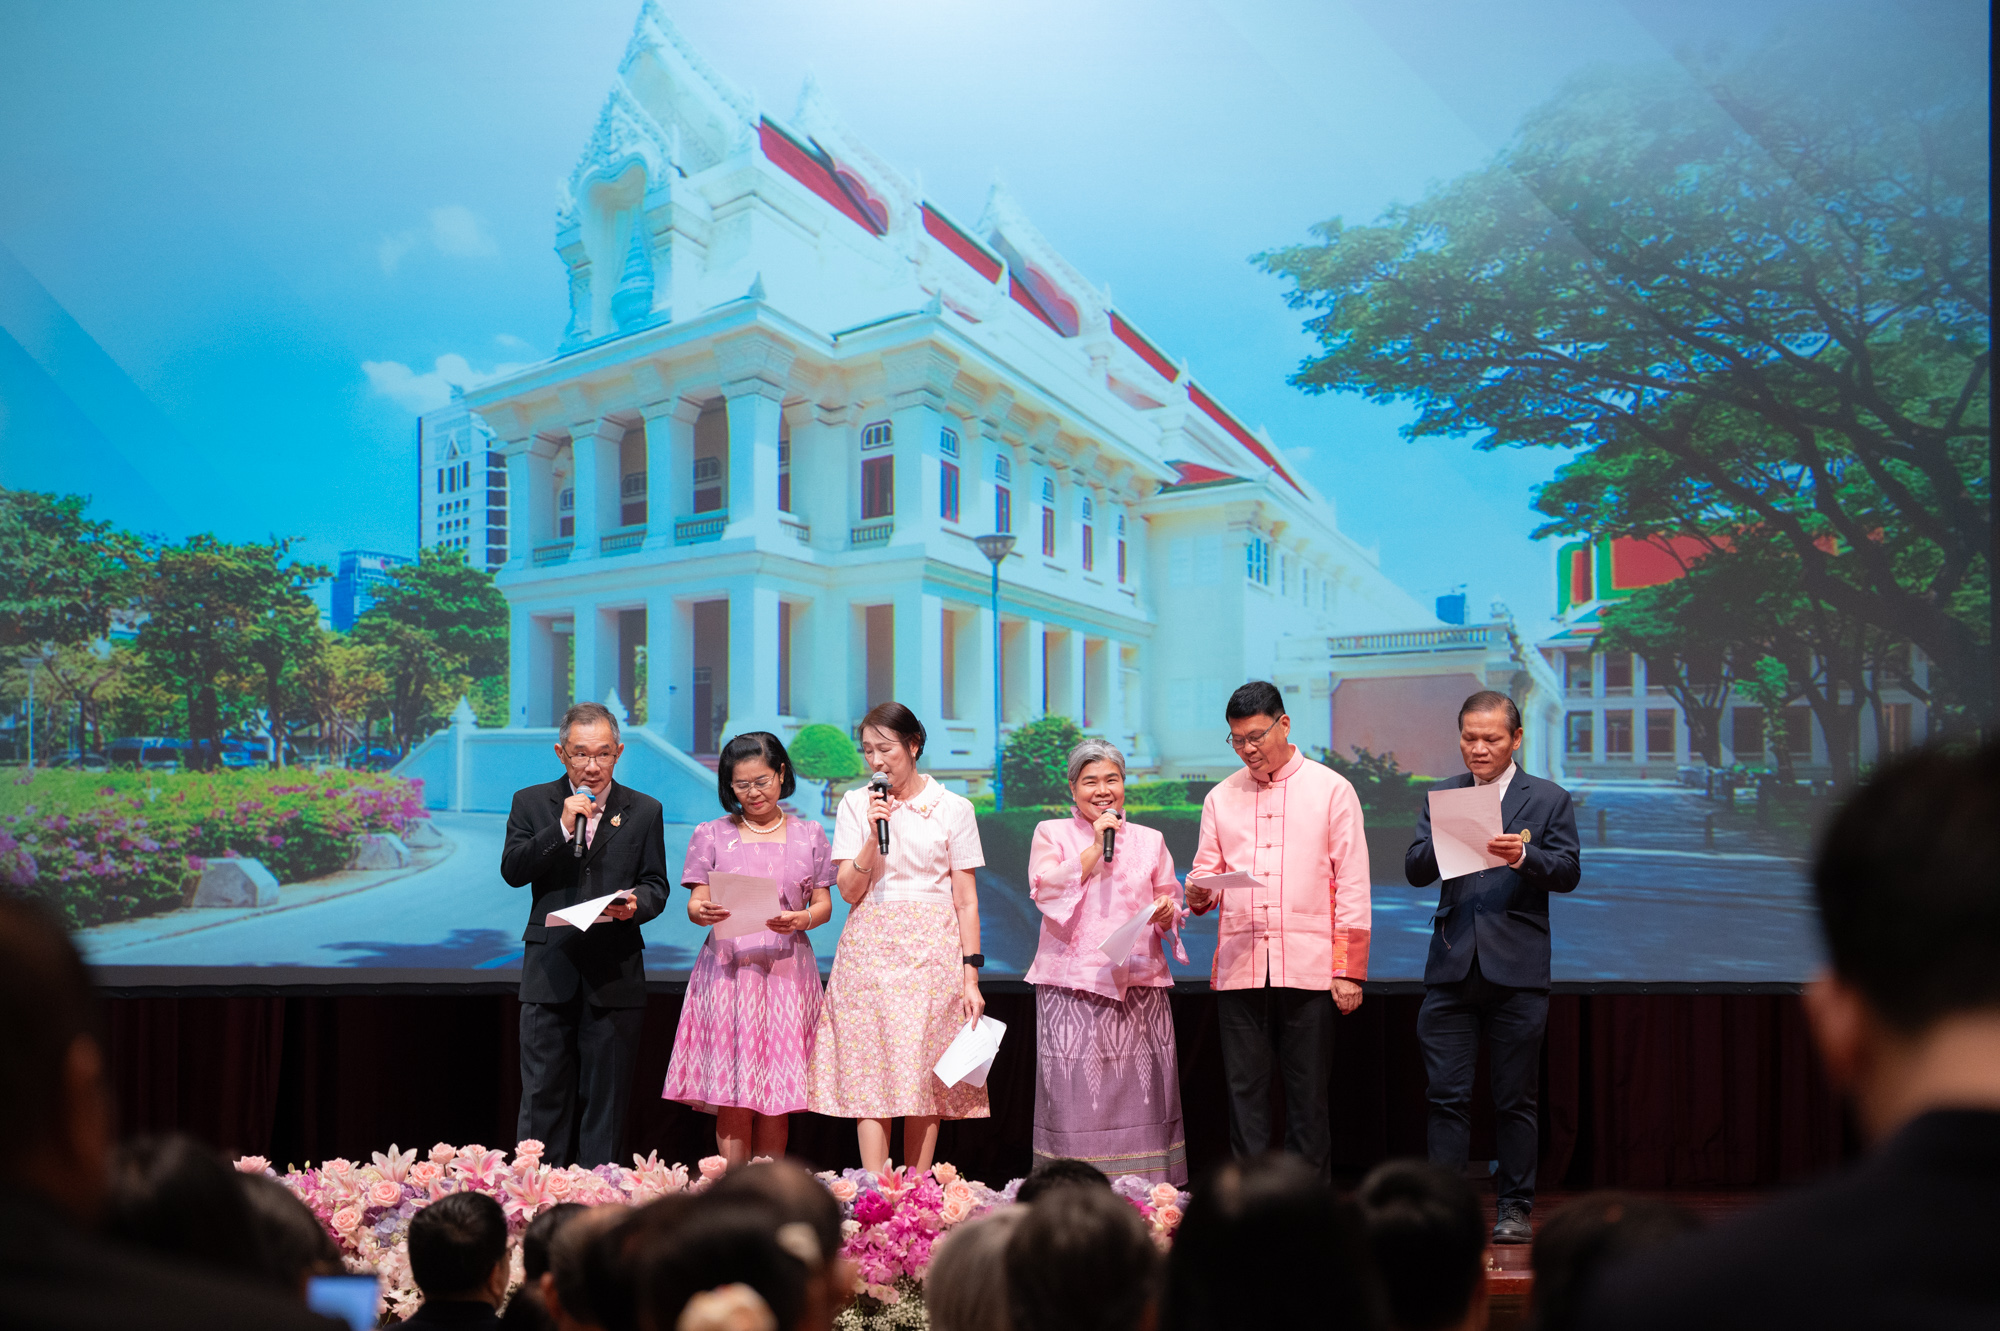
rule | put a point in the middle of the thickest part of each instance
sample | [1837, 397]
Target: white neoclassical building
[794, 390]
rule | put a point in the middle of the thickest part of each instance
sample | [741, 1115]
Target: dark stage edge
[288, 982]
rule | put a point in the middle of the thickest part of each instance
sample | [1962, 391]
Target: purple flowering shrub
[104, 847]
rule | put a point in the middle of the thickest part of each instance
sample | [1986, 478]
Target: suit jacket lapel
[1512, 802]
[614, 804]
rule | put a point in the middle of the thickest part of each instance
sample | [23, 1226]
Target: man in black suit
[1907, 1020]
[57, 1273]
[1487, 975]
[583, 991]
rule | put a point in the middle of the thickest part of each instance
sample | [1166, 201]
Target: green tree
[1035, 763]
[438, 625]
[62, 576]
[825, 753]
[1754, 299]
[280, 640]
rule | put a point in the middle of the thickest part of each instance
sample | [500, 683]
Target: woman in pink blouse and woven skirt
[752, 1001]
[906, 974]
[1108, 1084]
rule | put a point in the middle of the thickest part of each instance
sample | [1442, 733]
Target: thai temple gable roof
[1042, 281]
[668, 105]
[858, 164]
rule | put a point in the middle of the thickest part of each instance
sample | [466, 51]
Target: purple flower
[870, 1208]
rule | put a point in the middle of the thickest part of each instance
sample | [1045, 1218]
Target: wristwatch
[976, 960]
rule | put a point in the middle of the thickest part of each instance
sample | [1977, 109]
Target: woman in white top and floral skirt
[906, 972]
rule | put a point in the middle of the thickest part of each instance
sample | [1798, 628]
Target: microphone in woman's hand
[879, 783]
[1111, 840]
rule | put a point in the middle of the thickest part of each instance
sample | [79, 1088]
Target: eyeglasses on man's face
[576, 759]
[756, 787]
[1253, 740]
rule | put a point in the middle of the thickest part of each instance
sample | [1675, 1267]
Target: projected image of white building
[794, 390]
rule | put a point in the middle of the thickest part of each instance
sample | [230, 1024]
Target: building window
[632, 499]
[1659, 733]
[948, 442]
[1048, 532]
[1798, 732]
[1089, 554]
[948, 490]
[1895, 729]
[707, 484]
[1577, 668]
[1746, 733]
[877, 435]
[1257, 561]
[566, 513]
[1003, 510]
[1088, 510]
[1618, 672]
[784, 474]
[1579, 734]
[878, 488]
[1618, 734]
[1003, 469]
[1121, 547]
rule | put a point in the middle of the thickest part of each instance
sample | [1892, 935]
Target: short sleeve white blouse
[930, 834]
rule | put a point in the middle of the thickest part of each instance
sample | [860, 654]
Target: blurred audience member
[798, 1198]
[728, 1260]
[527, 1310]
[1428, 1233]
[966, 1286]
[296, 1246]
[1082, 1260]
[596, 1278]
[1266, 1244]
[1590, 1234]
[458, 1257]
[1907, 1020]
[179, 1200]
[1058, 1173]
[55, 1137]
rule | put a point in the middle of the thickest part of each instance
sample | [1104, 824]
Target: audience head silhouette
[1428, 1234]
[966, 1287]
[176, 1198]
[1058, 1173]
[1590, 1234]
[55, 1118]
[729, 1258]
[1081, 1260]
[458, 1249]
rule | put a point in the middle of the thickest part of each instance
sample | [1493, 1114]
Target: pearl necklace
[749, 826]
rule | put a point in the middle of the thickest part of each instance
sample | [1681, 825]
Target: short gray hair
[1094, 751]
[584, 714]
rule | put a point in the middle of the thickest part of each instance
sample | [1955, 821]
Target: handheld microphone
[576, 845]
[1110, 842]
[879, 783]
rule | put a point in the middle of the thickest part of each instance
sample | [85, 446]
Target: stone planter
[235, 882]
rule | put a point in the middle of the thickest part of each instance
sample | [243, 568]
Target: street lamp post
[31, 664]
[996, 548]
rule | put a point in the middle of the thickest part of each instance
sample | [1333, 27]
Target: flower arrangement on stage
[892, 1221]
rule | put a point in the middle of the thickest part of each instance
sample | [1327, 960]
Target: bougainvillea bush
[892, 1220]
[109, 846]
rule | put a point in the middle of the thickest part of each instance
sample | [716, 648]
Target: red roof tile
[1236, 431]
[817, 173]
[947, 234]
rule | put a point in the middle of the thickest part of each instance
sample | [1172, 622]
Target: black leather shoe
[1513, 1226]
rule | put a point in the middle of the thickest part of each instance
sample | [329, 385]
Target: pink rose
[529, 1146]
[1168, 1217]
[426, 1172]
[385, 1193]
[960, 1189]
[955, 1209]
[253, 1164]
[442, 1154]
[1165, 1194]
[559, 1185]
[945, 1174]
[843, 1190]
[713, 1167]
[338, 1169]
[347, 1219]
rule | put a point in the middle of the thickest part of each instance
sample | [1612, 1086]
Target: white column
[669, 468]
[822, 659]
[919, 649]
[588, 635]
[821, 453]
[1112, 700]
[1036, 686]
[754, 417]
[527, 665]
[753, 654]
[594, 455]
[666, 641]
[531, 499]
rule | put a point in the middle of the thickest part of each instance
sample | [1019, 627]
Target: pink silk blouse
[1300, 835]
[1079, 913]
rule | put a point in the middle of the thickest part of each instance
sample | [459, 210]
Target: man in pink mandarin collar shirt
[1294, 948]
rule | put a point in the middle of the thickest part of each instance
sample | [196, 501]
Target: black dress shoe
[1513, 1226]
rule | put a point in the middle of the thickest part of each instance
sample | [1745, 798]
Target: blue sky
[241, 242]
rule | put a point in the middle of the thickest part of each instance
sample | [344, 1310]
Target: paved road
[1654, 904]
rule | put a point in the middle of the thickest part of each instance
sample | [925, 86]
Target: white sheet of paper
[970, 1055]
[1462, 822]
[1219, 883]
[584, 913]
[1119, 945]
[750, 901]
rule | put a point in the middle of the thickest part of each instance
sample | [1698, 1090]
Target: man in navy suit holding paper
[1488, 970]
[583, 990]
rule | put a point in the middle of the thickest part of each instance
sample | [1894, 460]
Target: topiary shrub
[825, 753]
[1035, 763]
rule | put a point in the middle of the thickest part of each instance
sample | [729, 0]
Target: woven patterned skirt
[1108, 1087]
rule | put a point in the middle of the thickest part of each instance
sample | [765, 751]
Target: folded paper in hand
[971, 1054]
[750, 901]
[1219, 883]
[584, 913]
[1463, 820]
[1119, 945]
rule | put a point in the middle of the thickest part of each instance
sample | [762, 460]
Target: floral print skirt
[893, 1004]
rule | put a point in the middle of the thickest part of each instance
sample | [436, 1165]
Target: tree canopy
[1750, 295]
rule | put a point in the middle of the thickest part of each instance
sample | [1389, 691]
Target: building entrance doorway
[711, 676]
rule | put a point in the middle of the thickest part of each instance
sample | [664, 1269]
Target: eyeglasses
[590, 759]
[758, 787]
[1242, 742]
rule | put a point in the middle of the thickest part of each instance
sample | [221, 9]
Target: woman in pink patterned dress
[906, 975]
[752, 1002]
